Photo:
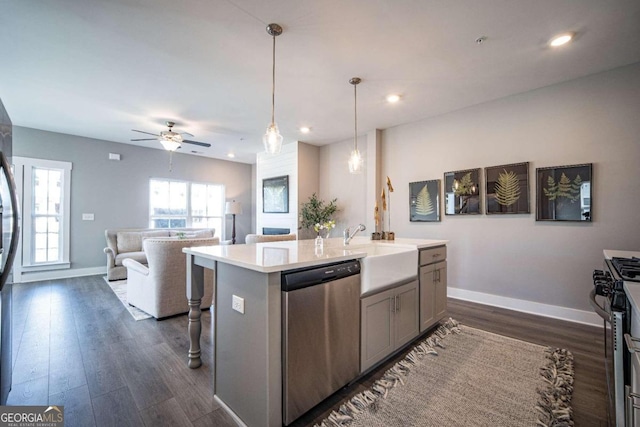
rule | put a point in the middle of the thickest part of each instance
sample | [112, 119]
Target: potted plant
[316, 214]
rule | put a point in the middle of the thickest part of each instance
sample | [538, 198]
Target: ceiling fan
[170, 139]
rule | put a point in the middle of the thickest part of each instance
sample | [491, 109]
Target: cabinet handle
[393, 305]
[438, 275]
[397, 304]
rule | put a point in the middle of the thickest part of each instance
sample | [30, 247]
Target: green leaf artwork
[424, 206]
[552, 189]
[565, 188]
[507, 188]
[464, 186]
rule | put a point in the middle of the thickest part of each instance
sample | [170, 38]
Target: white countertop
[279, 256]
[632, 289]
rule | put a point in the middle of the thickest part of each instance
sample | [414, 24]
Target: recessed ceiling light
[305, 129]
[231, 155]
[393, 98]
[561, 39]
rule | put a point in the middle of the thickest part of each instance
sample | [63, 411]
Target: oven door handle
[597, 307]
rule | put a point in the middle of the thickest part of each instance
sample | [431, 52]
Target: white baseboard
[38, 276]
[546, 310]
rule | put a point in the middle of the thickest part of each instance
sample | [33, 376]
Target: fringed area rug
[461, 376]
[119, 287]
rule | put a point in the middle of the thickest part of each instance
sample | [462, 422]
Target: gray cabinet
[389, 320]
[433, 286]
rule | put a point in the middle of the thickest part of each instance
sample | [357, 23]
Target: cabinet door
[406, 313]
[427, 297]
[376, 328]
[440, 290]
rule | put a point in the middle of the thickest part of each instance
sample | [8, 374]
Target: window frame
[189, 216]
[24, 168]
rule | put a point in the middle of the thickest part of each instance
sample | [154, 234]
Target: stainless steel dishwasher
[321, 334]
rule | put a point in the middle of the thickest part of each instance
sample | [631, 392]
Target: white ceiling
[101, 68]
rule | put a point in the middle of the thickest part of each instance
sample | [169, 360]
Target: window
[180, 204]
[45, 188]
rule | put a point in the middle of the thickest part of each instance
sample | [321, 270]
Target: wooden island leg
[195, 292]
[195, 327]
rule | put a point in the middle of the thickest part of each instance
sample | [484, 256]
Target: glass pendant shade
[170, 145]
[355, 162]
[272, 140]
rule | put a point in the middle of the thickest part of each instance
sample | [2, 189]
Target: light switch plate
[87, 217]
[237, 304]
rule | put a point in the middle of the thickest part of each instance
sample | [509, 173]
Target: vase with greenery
[316, 214]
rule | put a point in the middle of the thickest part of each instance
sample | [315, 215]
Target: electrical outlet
[237, 304]
[87, 217]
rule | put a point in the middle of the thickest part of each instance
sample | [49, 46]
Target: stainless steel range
[610, 301]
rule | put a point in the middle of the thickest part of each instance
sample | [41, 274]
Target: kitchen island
[248, 316]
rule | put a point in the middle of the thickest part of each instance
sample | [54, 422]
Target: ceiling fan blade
[202, 144]
[141, 131]
[145, 139]
[186, 133]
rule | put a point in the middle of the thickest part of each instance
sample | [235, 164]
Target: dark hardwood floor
[74, 344]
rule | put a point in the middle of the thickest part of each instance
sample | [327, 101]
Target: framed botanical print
[424, 201]
[275, 194]
[462, 192]
[507, 189]
[563, 193]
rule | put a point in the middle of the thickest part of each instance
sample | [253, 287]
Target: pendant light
[272, 139]
[355, 160]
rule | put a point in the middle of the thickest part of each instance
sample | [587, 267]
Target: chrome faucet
[348, 235]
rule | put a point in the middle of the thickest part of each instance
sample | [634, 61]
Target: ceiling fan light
[355, 162]
[272, 140]
[170, 145]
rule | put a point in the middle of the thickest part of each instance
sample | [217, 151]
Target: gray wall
[595, 119]
[117, 192]
[589, 120]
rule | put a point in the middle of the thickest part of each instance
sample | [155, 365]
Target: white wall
[512, 259]
[337, 182]
[269, 166]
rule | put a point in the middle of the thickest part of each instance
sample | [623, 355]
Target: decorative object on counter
[541, 378]
[316, 214]
[355, 159]
[462, 192]
[563, 193]
[272, 139]
[233, 208]
[324, 229]
[507, 189]
[275, 194]
[424, 201]
[376, 235]
[386, 235]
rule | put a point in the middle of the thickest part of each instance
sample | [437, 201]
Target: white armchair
[160, 288]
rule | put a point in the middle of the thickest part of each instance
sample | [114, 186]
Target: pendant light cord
[273, 83]
[355, 115]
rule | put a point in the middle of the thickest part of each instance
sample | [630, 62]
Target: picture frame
[507, 189]
[462, 192]
[564, 193]
[424, 201]
[275, 194]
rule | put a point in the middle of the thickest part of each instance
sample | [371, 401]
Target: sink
[385, 265]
